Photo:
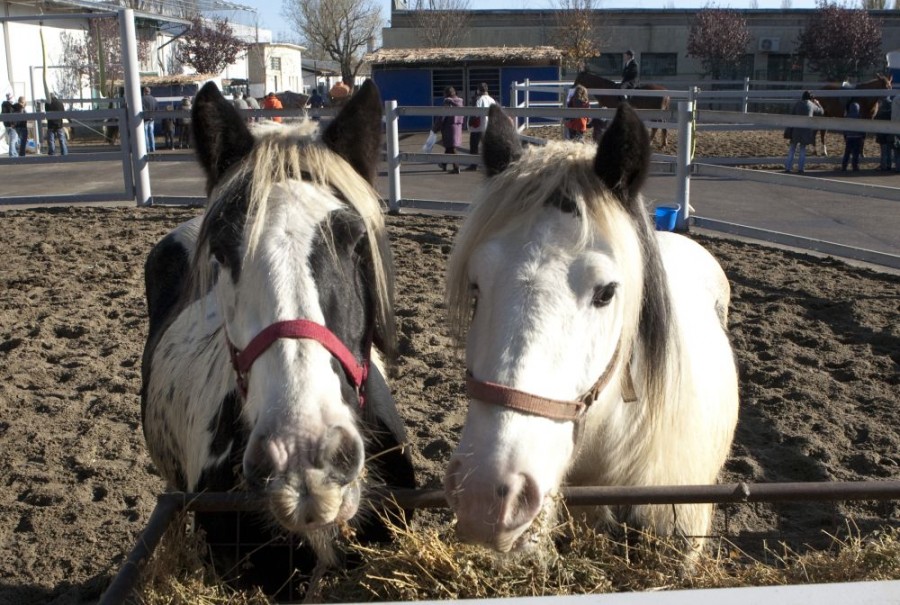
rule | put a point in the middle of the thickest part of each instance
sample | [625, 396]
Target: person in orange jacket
[272, 102]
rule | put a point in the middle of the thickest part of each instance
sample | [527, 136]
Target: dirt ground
[818, 344]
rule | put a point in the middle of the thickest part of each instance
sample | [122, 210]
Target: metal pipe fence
[170, 504]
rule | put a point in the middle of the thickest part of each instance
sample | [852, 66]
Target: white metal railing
[687, 120]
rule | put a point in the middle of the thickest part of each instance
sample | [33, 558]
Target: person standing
[272, 102]
[252, 104]
[148, 103]
[21, 126]
[450, 127]
[808, 106]
[168, 127]
[853, 140]
[576, 127]
[478, 124]
[12, 136]
[629, 71]
[239, 103]
[55, 130]
[885, 141]
[184, 125]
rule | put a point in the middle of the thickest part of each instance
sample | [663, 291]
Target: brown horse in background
[590, 80]
[868, 106]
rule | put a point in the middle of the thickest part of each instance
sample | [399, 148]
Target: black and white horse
[267, 314]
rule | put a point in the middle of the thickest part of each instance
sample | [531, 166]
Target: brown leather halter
[554, 409]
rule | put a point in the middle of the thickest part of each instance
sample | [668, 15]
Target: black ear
[623, 154]
[221, 136]
[355, 134]
[501, 142]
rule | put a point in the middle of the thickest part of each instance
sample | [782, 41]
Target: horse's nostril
[503, 491]
[341, 454]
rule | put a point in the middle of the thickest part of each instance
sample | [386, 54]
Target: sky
[269, 11]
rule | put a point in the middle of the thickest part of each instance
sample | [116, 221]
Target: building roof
[501, 54]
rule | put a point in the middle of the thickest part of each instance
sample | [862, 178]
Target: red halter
[300, 328]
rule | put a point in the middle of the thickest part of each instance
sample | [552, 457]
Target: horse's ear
[623, 153]
[501, 145]
[221, 136]
[355, 134]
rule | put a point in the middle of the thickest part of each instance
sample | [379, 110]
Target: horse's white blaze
[535, 330]
[294, 404]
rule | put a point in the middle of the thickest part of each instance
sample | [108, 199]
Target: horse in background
[624, 376]
[261, 370]
[834, 107]
[590, 80]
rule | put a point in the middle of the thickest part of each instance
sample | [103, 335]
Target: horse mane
[293, 151]
[512, 201]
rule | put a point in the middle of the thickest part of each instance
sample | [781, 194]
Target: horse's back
[166, 270]
[700, 295]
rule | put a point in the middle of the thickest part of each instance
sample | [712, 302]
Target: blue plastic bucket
[666, 217]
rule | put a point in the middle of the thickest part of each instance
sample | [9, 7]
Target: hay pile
[429, 564]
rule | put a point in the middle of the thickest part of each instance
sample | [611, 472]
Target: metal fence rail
[169, 504]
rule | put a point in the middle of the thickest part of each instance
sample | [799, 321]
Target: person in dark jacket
[21, 126]
[12, 135]
[885, 141]
[853, 140]
[148, 103]
[450, 127]
[629, 71]
[55, 130]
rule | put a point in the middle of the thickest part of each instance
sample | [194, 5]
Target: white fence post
[392, 140]
[683, 162]
[527, 100]
[746, 90]
[140, 161]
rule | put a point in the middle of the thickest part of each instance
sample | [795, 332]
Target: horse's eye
[474, 292]
[604, 294]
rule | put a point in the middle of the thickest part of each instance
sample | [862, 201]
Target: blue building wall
[412, 87]
[407, 87]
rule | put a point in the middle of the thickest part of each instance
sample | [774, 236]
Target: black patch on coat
[221, 136]
[356, 133]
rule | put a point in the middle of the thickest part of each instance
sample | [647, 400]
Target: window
[441, 78]
[488, 75]
[275, 63]
[658, 64]
[607, 64]
[784, 67]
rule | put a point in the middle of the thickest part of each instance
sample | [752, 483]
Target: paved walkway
[860, 222]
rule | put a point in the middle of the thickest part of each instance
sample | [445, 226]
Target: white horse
[596, 348]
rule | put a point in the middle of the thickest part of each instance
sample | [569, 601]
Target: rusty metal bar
[172, 502]
[608, 495]
[159, 521]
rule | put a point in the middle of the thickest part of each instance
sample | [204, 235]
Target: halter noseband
[554, 409]
[300, 328]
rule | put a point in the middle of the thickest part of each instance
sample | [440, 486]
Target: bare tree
[719, 38]
[336, 29]
[576, 34]
[210, 46]
[839, 42]
[873, 4]
[441, 23]
[97, 54]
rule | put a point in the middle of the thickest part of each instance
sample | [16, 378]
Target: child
[168, 126]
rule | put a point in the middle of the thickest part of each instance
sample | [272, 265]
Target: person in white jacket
[478, 124]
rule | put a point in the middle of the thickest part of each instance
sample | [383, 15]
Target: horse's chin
[312, 508]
